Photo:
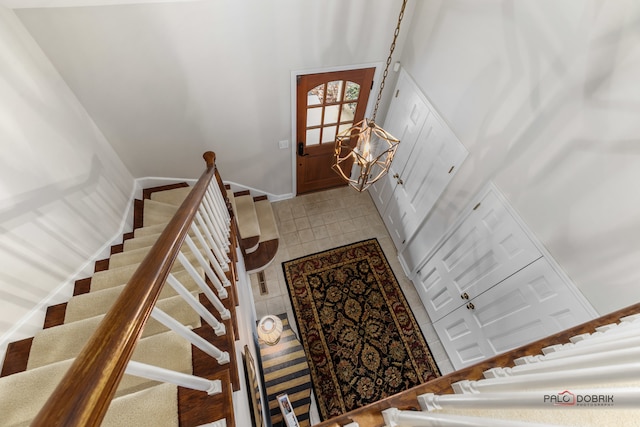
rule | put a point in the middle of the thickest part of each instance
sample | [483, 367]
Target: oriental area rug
[359, 335]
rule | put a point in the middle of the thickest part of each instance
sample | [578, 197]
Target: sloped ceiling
[167, 81]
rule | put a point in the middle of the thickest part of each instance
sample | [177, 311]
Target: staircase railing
[85, 392]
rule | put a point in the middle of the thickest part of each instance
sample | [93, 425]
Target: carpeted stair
[257, 229]
[29, 376]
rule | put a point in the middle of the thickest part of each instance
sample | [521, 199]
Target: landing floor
[320, 221]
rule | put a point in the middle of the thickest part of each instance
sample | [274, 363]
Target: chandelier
[364, 152]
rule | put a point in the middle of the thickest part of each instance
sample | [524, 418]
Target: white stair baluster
[213, 222]
[221, 257]
[605, 333]
[596, 347]
[216, 193]
[215, 263]
[219, 423]
[221, 213]
[217, 326]
[218, 205]
[621, 397]
[204, 263]
[622, 373]
[213, 298]
[178, 378]
[221, 356]
[394, 417]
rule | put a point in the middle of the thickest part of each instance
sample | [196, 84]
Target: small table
[286, 371]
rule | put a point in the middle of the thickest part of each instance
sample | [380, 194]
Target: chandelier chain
[386, 70]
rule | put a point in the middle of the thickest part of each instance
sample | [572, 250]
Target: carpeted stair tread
[136, 256]
[98, 302]
[140, 242]
[116, 276]
[150, 229]
[157, 212]
[266, 220]
[173, 197]
[23, 394]
[65, 341]
[150, 240]
[246, 217]
[153, 407]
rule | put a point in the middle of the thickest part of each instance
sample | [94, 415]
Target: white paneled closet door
[428, 157]
[487, 247]
[405, 119]
[531, 304]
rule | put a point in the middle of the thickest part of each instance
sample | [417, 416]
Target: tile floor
[317, 222]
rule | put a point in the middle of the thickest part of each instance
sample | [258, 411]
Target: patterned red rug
[361, 339]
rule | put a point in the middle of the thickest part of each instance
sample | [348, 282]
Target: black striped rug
[286, 371]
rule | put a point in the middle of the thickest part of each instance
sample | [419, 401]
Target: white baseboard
[257, 192]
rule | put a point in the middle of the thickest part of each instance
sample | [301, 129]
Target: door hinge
[451, 170]
[397, 92]
[371, 84]
[298, 78]
[476, 206]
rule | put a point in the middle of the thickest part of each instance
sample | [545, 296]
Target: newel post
[210, 158]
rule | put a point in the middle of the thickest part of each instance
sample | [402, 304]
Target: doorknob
[301, 149]
[396, 176]
[470, 306]
[464, 296]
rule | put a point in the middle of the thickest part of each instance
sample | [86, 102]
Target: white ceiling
[166, 82]
[27, 4]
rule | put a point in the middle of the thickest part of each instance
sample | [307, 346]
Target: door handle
[301, 149]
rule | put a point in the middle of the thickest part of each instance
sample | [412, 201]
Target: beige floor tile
[306, 235]
[316, 220]
[287, 227]
[283, 214]
[330, 217]
[302, 223]
[298, 211]
[320, 232]
[290, 239]
[310, 247]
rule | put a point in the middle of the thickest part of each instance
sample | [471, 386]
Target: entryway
[326, 104]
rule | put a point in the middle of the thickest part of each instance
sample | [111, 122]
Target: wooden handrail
[85, 392]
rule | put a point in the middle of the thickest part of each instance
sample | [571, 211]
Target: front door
[327, 103]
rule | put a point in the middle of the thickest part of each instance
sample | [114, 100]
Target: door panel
[326, 104]
[405, 119]
[531, 304]
[485, 249]
[427, 172]
[426, 160]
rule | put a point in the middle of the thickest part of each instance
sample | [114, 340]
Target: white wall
[166, 82]
[63, 190]
[546, 97]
